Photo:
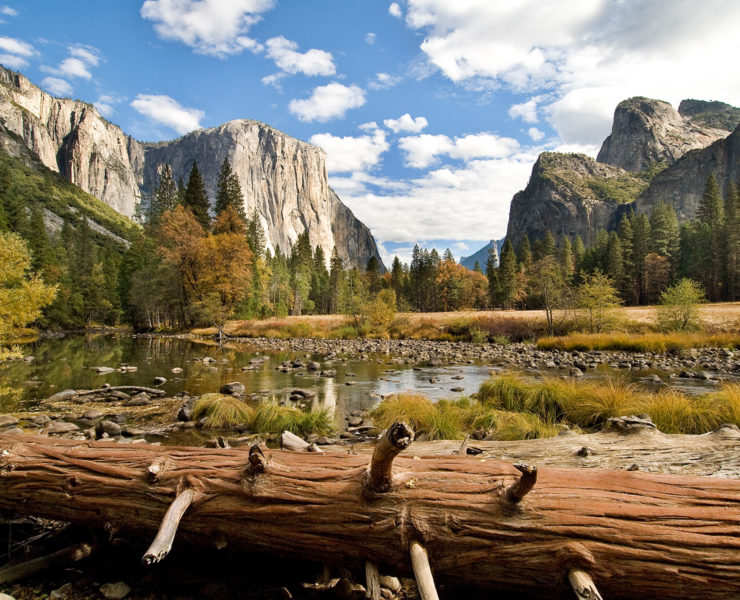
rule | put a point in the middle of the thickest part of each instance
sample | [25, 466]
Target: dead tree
[463, 520]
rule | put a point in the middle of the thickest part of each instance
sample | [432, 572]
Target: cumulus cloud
[284, 53]
[526, 111]
[328, 102]
[473, 198]
[87, 54]
[77, 65]
[383, 81]
[56, 86]
[345, 154]
[8, 11]
[370, 38]
[423, 150]
[406, 123]
[394, 10]
[13, 61]
[585, 55]
[167, 111]
[535, 134]
[213, 27]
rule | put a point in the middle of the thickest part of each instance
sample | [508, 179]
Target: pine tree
[165, 196]
[229, 191]
[319, 293]
[664, 233]
[711, 215]
[397, 279]
[372, 276]
[196, 198]
[256, 234]
[640, 249]
[336, 277]
[614, 260]
[625, 239]
[38, 240]
[476, 267]
[548, 245]
[565, 258]
[524, 253]
[732, 242]
[507, 279]
[492, 275]
[579, 250]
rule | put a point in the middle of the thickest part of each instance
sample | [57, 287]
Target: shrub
[678, 308]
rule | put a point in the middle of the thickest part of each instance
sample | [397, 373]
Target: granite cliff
[285, 179]
[653, 153]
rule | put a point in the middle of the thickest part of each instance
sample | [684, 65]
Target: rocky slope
[284, 178]
[653, 153]
[645, 132]
[481, 256]
[570, 195]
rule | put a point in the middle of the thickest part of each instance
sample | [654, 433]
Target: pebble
[115, 591]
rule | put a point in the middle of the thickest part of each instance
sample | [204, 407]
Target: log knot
[392, 442]
[257, 460]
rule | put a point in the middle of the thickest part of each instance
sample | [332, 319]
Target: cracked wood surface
[639, 535]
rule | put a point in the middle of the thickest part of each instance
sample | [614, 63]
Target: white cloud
[312, 62]
[274, 80]
[406, 123]
[535, 134]
[422, 151]
[56, 86]
[383, 81]
[8, 11]
[328, 102]
[87, 54]
[584, 55]
[17, 47]
[13, 61]
[526, 111]
[473, 199]
[74, 67]
[104, 105]
[370, 38]
[167, 111]
[213, 27]
[344, 154]
[394, 10]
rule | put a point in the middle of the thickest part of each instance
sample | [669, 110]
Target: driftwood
[66, 556]
[123, 388]
[622, 534]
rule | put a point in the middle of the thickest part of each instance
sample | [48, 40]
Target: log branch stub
[422, 571]
[372, 580]
[379, 475]
[257, 460]
[583, 585]
[522, 486]
[154, 471]
[162, 544]
[463, 449]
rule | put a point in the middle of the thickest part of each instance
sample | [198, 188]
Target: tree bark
[637, 535]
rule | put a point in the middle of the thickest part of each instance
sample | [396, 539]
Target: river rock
[92, 415]
[6, 597]
[115, 591]
[312, 365]
[59, 427]
[140, 399]
[328, 373]
[355, 421]
[8, 421]
[457, 389]
[40, 420]
[63, 395]
[176, 370]
[208, 359]
[62, 593]
[118, 395]
[235, 388]
[109, 427]
[160, 380]
[103, 370]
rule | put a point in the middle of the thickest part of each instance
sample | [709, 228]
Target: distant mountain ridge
[285, 179]
[653, 153]
[481, 256]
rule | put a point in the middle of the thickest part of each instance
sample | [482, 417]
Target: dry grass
[468, 325]
[648, 342]
[270, 417]
[222, 411]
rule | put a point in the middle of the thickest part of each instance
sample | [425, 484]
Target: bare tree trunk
[479, 521]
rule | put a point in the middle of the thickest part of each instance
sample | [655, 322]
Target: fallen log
[478, 521]
[64, 557]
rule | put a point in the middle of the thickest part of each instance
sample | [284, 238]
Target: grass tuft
[270, 417]
[222, 411]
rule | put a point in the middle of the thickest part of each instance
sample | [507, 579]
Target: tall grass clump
[506, 392]
[413, 409]
[674, 412]
[270, 417]
[222, 411]
[592, 404]
[647, 342]
[509, 426]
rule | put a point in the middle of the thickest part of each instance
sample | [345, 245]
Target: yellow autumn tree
[23, 294]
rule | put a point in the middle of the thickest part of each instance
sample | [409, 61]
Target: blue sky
[431, 112]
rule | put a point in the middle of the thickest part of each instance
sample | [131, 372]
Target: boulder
[59, 427]
[235, 388]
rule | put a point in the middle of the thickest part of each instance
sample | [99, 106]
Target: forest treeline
[190, 266]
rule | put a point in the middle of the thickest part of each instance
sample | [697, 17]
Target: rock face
[284, 178]
[71, 138]
[682, 184]
[645, 132]
[569, 195]
[481, 256]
